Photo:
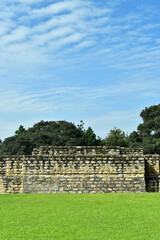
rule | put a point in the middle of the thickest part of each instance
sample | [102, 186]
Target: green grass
[80, 216]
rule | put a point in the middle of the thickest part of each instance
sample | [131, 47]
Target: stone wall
[79, 170]
[72, 169]
[152, 173]
[85, 150]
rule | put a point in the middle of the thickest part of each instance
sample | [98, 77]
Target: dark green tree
[57, 133]
[21, 130]
[90, 138]
[116, 137]
[135, 140]
[81, 126]
[149, 130]
[16, 145]
[0, 144]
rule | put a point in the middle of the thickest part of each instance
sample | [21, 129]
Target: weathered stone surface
[85, 150]
[80, 170]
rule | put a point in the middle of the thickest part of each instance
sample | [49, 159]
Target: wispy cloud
[53, 54]
[50, 30]
[49, 100]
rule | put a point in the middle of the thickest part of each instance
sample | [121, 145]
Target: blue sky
[96, 61]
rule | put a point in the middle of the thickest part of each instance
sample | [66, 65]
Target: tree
[116, 137]
[149, 130]
[90, 138]
[21, 130]
[81, 126]
[16, 145]
[134, 140]
[58, 133]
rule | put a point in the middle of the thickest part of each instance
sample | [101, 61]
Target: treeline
[63, 133]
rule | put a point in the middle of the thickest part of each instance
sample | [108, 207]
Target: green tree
[90, 137]
[135, 140]
[81, 126]
[57, 133]
[16, 145]
[149, 130]
[21, 130]
[116, 137]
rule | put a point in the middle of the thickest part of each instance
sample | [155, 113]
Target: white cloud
[52, 35]
[80, 23]
[45, 37]
[18, 34]
[56, 8]
[39, 40]
[53, 99]
[27, 2]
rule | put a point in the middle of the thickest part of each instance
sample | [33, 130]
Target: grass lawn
[80, 216]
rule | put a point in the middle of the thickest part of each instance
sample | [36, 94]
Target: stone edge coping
[90, 156]
[72, 146]
[78, 156]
